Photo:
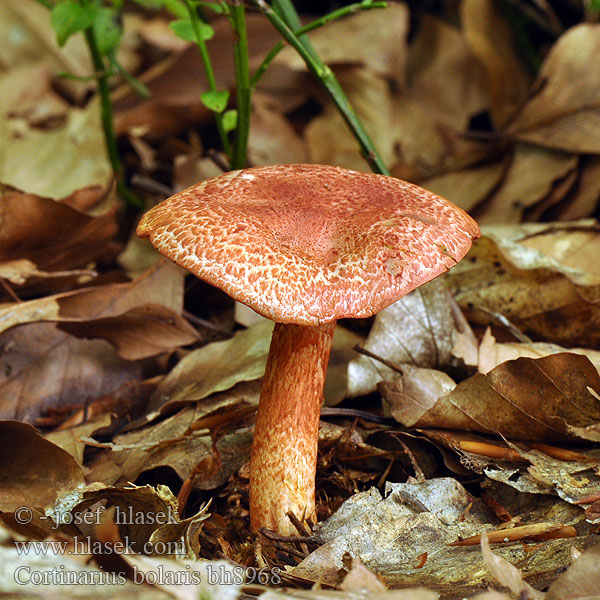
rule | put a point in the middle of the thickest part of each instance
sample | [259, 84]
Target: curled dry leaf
[492, 353]
[36, 476]
[417, 330]
[328, 139]
[194, 442]
[140, 318]
[526, 399]
[33, 228]
[563, 112]
[581, 580]
[491, 40]
[528, 180]
[373, 38]
[507, 574]
[273, 139]
[445, 79]
[467, 187]
[42, 367]
[57, 163]
[535, 292]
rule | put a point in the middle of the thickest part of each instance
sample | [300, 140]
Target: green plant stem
[316, 24]
[287, 11]
[106, 113]
[242, 78]
[210, 76]
[331, 86]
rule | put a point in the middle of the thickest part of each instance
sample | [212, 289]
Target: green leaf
[215, 101]
[230, 120]
[184, 29]
[595, 5]
[69, 17]
[107, 30]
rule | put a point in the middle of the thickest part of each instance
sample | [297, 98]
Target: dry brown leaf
[467, 187]
[535, 292]
[182, 442]
[526, 182]
[417, 390]
[492, 353]
[328, 139]
[582, 579]
[141, 318]
[507, 574]
[56, 163]
[583, 199]
[26, 93]
[273, 139]
[492, 41]
[417, 330]
[35, 475]
[372, 38]
[174, 104]
[29, 38]
[445, 79]
[42, 367]
[143, 331]
[563, 112]
[33, 228]
[525, 399]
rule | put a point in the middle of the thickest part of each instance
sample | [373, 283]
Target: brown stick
[284, 450]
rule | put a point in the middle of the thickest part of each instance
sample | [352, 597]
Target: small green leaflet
[70, 17]
[106, 30]
[215, 101]
[230, 120]
[184, 29]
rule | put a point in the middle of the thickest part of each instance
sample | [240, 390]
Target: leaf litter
[458, 447]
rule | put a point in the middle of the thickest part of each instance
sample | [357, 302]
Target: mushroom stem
[286, 435]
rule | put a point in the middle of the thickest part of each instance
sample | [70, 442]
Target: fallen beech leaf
[491, 40]
[581, 579]
[145, 330]
[20, 270]
[360, 579]
[26, 93]
[35, 475]
[33, 228]
[507, 574]
[536, 531]
[535, 292]
[59, 162]
[273, 139]
[525, 399]
[42, 367]
[417, 390]
[371, 38]
[467, 187]
[493, 353]
[178, 443]
[417, 330]
[135, 302]
[563, 111]
[583, 199]
[217, 367]
[328, 139]
[446, 80]
[528, 180]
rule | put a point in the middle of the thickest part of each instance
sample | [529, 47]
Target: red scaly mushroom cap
[309, 244]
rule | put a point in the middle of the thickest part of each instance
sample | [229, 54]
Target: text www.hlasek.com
[88, 546]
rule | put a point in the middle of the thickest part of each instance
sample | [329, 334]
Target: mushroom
[305, 245]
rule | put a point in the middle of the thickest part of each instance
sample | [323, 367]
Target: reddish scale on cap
[309, 244]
